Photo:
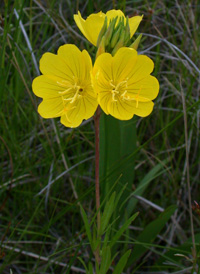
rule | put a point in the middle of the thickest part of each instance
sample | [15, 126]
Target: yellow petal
[141, 69]
[90, 27]
[80, 22]
[104, 99]
[51, 108]
[121, 110]
[124, 110]
[103, 64]
[46, 86]
[51, 64]
[73, 60]
[73, 117]
[147, 88]
[134, 23]
[111, 14]
[90, 105]
[142, 109]
[87, 64]
[102, 77]
[123, 63]
[82, 109]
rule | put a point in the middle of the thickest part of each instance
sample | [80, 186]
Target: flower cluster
[119, 81]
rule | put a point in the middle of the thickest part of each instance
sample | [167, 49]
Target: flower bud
[110, 31]
[102, 32]
[116, 35]
[101, 48]
[119, 44]
[127, 32]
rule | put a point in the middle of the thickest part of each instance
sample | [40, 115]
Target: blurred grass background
[46, 169]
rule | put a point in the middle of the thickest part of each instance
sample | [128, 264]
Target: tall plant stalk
[97, 186]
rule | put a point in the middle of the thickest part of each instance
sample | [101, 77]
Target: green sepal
[135, 44]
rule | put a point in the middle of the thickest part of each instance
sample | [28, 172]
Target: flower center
[75, 91]
[117, 89]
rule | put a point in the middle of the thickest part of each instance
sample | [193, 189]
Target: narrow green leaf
[122, 263]
[149, 234]
[106, 237]
[90, 268]
[105, 260]
[108, 210]
[87, 226]
[83, 263]
[122, 229]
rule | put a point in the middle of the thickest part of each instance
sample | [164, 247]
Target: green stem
[97, 188]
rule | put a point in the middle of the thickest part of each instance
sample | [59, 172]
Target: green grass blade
[122, 263]
[122, 229]
[106, 260]
[149, 234]
[87, 226]
[108, 211]
[152, 174]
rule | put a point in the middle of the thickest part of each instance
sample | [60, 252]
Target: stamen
[116, 89]
[123, 94]
[65, 91]
[66, 108]
[111, 83]
[121, 83]
[63, 83]
[72, 88]
[114, 92]
[75, 97]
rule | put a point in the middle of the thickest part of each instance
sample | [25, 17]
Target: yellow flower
[124, 84]
[65, 86]
[92, 26]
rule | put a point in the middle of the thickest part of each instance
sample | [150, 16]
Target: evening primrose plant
[119, 82]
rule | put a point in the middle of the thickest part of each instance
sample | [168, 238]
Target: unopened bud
[119, 44]
[102, 32]
[110, 31]
[135, 44]
[127, 32]
[116, 35]
[101, 48]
